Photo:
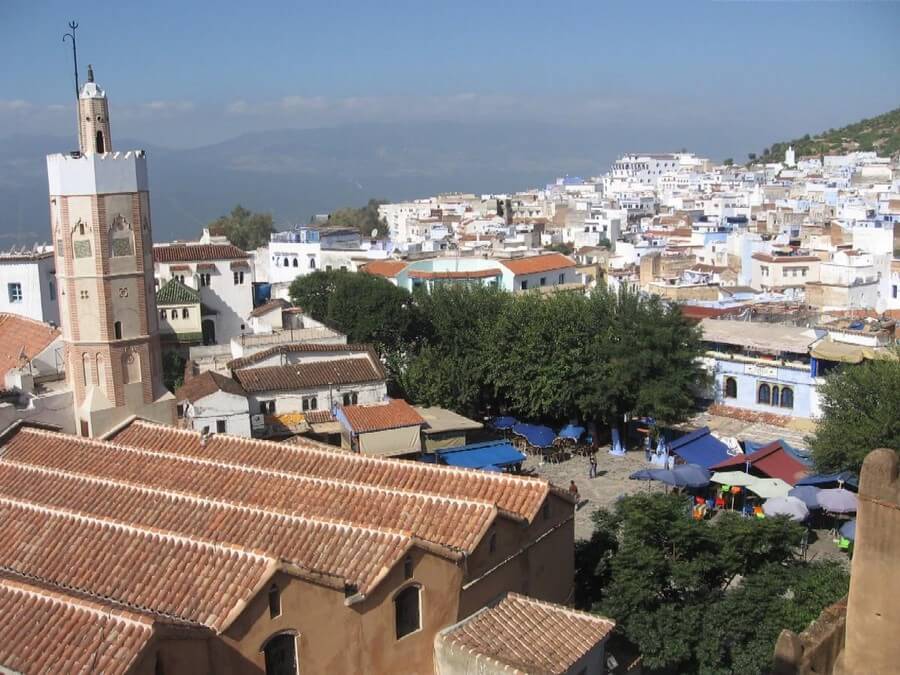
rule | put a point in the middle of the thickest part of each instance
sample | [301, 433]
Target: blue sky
[190, 72]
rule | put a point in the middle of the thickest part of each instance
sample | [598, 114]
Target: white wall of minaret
[100, 224]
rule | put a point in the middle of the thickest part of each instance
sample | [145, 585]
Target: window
[763, 394]
[730, 387]
[180, 278]
[179, 410]
[408, 567]
[117, 330]
[406, 610]
[285, 263]
[281, 655]
[53, 291]
[562, 278]
[775, 395]
[204, 279]
[787, 397]
[296, 262]
[163, 314]
[238, 278]
[350, 398]
[894, 291]
[274, 601]
[328, 269]
[543, 281]
[184, 313]
[309, 403]
[84, 295]
[15, 292]
[523, 285]
[267, 407]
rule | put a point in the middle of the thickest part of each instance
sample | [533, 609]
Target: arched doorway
[281, 655]
[100, 146]
[209, 331]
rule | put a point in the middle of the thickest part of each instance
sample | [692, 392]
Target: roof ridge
[135, 529]
[355, 457]
[580, 614]
[189, 497]
[302, 477]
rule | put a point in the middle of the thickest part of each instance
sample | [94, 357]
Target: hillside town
[209, 465]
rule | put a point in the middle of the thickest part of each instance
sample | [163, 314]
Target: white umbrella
[770, 487]
[791, 507]
[837, 500]
[736, 478]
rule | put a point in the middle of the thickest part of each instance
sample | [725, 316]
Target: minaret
[100, 223]
[93, 116]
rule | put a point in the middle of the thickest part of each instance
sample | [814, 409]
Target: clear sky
[189, 72]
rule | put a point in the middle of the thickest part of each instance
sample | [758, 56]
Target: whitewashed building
[213, 404]
[28, 284]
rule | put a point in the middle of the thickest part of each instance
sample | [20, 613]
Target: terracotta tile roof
[350, 554]
[538, 263]
[206, 383]
[173, 292]
[46, 631]
[457, 523]
[461, 274]
[517, 495]
[391, 414]
[270, 306]
[529, 635]
[384, 268]
[771, 460]
[194, 252]
[172, 575]
[310, 375]
[22, 338]
[319, 416]
[765, 257]
[297, 348]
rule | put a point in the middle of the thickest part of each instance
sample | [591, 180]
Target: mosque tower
[100, 224]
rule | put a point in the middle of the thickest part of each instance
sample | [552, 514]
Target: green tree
[728, 162]
[367, 308]
[751, 156]
[364, 219]
[245, 229]
[707, 596]
[562, 247]
[173, 370]
[860, 405]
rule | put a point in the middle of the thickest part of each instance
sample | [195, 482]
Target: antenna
[73, 25]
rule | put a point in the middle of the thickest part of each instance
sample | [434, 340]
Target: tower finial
[90, 73]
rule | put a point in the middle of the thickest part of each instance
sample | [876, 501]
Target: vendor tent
[764, 487]
[770, 461]
[503, 423]
[490, 456]
[846, 479]
[733, 478]
[700, 447]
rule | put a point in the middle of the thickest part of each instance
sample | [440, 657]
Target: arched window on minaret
[86, 369]
[131, 367]
[100, 369]
[121, 238]
[100, 149]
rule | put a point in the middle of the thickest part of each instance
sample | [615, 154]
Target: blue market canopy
[536, 435]
[808, 494]
[571, 431]
[700, 447]
[825, 480]
[801, 455]
[490, 456]
[503, 423]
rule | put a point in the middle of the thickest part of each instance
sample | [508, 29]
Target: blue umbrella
[503, 423]
[808, 494]
[536, 435]
[643, 474]
[691, 475]
[792, 507]
[848, 530]
[571, 431]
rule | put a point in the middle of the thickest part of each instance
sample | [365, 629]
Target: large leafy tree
[367, 308]
[450, 367]
[708, 596]
[860, 412]
[246, 229]
[364, 219]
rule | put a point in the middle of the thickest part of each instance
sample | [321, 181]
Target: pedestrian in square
[592, 472]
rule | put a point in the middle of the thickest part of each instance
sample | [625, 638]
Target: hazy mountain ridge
[296, 173]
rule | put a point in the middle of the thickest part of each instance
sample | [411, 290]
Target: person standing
[592, 472]
[573, 490]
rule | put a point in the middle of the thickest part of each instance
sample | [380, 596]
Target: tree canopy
[365, 307]
[365, 219]
[707, 596]
[860, 412]
[246, 229]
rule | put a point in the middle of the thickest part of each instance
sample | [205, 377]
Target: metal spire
[73, 25]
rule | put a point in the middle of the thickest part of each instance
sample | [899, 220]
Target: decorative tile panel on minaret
[100, 222]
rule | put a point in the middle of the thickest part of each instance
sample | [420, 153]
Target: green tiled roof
[174, 292]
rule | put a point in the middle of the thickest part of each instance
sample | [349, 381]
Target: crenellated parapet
[109, 173]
